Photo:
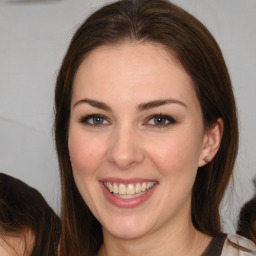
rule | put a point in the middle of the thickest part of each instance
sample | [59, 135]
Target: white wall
[33, 40]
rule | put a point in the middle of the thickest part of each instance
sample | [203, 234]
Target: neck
[179, 240]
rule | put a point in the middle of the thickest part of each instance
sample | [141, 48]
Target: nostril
[124, 151]
[123, 163]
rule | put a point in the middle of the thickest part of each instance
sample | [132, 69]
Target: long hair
[22, 209]
[156, 21]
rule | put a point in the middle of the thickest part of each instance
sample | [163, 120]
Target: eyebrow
[141, 107]
[158, 103]
[94, 103]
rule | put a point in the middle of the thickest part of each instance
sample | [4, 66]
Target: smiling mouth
[128, 191]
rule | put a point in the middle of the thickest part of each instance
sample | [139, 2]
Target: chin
[127, 230]
[127, 234]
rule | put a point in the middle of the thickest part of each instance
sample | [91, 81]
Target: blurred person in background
[247, 218]
[28, 225]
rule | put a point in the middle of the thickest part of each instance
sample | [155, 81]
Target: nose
[125, 149]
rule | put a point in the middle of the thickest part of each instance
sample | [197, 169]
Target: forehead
[138, 70]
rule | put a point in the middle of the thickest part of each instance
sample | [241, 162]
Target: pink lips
[126, 203]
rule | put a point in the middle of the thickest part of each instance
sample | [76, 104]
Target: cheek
[176, 159]
[176, 153]
[86, 152]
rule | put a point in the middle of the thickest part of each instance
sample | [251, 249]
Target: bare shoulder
[236, 245]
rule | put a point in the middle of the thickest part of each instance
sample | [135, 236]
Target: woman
[146, 134]
[28, 226]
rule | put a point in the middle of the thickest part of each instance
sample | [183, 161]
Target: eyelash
[85, 120]
[167, 118]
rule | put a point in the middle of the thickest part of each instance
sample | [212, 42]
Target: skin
[17, 245]
[129, 144]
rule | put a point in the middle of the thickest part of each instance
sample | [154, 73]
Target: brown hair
[162, 22]
[247, 220]
[22, 209]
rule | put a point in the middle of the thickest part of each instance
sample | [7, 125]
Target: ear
[211, 142]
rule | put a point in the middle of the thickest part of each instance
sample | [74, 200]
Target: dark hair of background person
[163, 23]
[247, 219]
[23, 208]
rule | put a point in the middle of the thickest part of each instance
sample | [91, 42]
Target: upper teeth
[129, 189]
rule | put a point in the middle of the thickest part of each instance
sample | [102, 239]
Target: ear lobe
[211, 142]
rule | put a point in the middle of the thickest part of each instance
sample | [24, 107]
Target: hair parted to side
[161, 22]
[23, 210]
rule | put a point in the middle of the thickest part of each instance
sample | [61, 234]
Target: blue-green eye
[160, 120]
[94, 120]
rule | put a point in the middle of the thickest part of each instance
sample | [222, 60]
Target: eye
[94, 120]
[160, 120]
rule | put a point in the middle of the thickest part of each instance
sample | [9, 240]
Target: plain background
[34, 36]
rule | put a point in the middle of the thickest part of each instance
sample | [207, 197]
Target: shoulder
[236, 245]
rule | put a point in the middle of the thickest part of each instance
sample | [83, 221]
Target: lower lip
[127, 203]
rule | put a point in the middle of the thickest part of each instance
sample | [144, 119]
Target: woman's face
[136, 138]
